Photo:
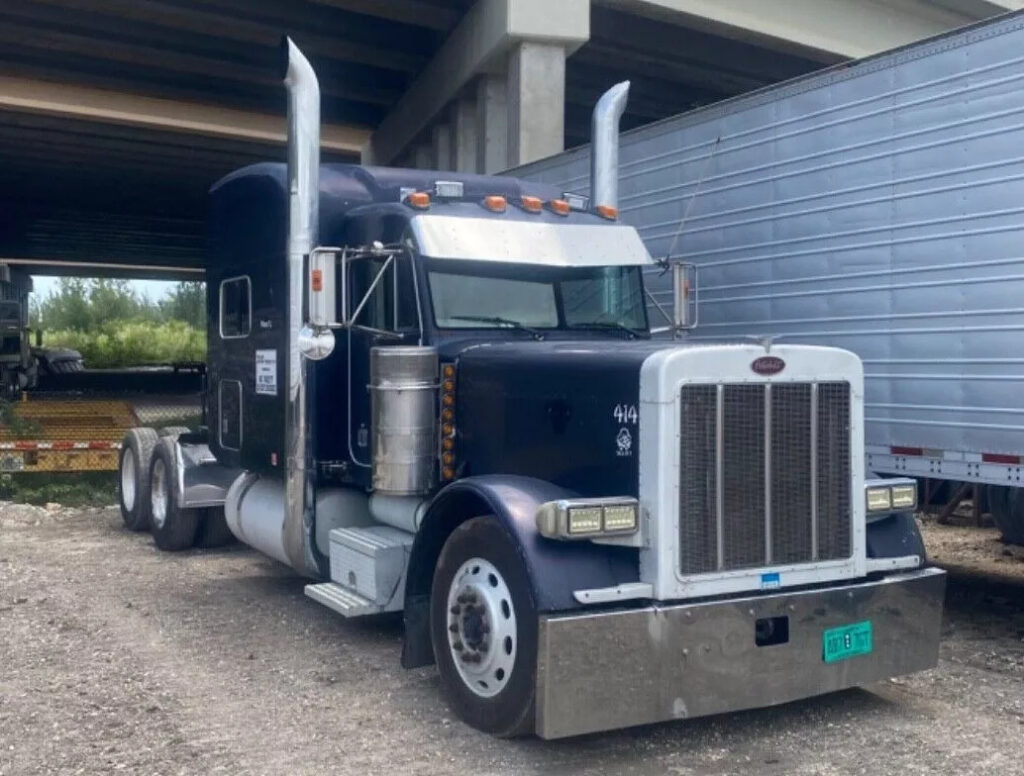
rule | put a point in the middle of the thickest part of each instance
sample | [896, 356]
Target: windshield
[473, 294]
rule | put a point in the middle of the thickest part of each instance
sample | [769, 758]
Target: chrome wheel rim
[128, 480]
[159, 494]
[481, 626]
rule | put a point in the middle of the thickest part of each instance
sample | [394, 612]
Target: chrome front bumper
[615, 669]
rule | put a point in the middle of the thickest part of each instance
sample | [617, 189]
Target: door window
[235, 307]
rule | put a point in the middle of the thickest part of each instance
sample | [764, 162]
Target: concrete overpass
[117, 115]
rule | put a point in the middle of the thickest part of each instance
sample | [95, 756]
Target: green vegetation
[113, 326]
[71, 489]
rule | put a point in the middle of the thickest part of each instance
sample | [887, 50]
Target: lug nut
[453, 628]
[455, 609]
[457, 646]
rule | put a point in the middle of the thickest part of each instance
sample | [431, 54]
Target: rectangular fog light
[879, 499]
[904, 496]
[620, 518]
[584, 520]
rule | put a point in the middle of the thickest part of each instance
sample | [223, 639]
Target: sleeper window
[235, 307]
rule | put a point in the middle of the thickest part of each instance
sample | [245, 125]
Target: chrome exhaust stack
[303, 223]
[604, 146]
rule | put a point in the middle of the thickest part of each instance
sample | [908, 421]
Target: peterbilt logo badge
[768, 365]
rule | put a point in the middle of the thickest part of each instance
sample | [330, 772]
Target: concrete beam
[479, 44]
[536, 102]
[25, 95]
[843, 28]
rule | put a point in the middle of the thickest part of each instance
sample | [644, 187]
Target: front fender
[555, 568]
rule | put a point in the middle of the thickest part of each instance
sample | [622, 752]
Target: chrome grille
[764, 475]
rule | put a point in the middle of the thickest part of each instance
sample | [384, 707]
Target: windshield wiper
[612, 326]
[497, 321]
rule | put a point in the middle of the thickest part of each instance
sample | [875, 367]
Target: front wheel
[483, 623]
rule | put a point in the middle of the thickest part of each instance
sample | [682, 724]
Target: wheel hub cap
[482, 627]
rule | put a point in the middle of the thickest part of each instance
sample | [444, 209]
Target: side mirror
[684, 296]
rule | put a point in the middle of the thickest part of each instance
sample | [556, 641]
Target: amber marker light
[559, 207]
[495, 203]
[419, 200]
[607, 211]
[532, 204]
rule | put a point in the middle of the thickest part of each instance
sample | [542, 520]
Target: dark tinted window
[235, 307]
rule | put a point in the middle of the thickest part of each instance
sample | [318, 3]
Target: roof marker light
[607, 211]
[532, 204]
[559, 207]
[495, 203]
[419, 200]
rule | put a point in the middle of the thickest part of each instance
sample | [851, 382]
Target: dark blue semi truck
[439, 394]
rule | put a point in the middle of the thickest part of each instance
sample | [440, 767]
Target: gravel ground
[115, 657]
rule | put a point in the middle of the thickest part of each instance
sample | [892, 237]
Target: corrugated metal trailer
[876, 206]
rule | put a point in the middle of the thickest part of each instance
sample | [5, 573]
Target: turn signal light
[532, 204]
[559, 207]
[447, 426]
[419, 200]
[607, 211]
[495, 203]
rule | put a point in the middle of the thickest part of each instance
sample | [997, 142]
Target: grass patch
[70, 489]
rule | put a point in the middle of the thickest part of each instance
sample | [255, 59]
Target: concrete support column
[442, 135]
[464, 124]
[423, 156]
[536, 102]
[492, 124]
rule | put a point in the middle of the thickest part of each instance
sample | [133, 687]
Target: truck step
[342, 600]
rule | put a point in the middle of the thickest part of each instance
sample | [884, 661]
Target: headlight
[588, 518]
[890, 495]
[879, 499]
[904, 496]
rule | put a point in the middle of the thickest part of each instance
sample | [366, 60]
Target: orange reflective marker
[318, 280]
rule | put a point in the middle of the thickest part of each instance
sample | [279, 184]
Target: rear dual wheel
[133, 477]
[483, 624]
[176, 528]
[1007, 507]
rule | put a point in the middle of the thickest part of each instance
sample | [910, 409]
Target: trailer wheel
[213, 529]
[483, 624]
[1007, 505]
[173, 528]
[133, 477]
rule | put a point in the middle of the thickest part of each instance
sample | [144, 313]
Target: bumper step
[343, 601]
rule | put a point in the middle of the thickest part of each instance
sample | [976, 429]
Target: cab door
[382, 298]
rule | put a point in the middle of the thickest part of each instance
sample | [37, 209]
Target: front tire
[133, 477]
[173, 528]
[483, 623]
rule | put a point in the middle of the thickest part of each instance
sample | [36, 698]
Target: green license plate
[847, 641]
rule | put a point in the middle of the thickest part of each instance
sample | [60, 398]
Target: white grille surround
[662, 378]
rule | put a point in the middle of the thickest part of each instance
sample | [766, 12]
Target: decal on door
[266, 372]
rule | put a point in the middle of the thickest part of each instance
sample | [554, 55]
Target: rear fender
[555, 568]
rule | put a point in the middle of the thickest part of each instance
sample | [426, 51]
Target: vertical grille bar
[768, 473]
[719, 476]
[814, 471]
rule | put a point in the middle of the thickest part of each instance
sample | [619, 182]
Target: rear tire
[1007, 505]
[173, 528]
[213, 529]
[133, 477]
[482, 614]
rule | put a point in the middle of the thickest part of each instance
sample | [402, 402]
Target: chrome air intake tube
[604, 146]
[303, 217]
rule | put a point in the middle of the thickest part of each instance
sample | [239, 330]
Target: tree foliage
[112, 325]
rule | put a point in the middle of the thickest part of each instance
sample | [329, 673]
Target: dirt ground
[115, 657]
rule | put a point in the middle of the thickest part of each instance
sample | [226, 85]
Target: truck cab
[441, 394]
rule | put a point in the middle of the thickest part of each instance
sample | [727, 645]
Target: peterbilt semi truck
[438, 394]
